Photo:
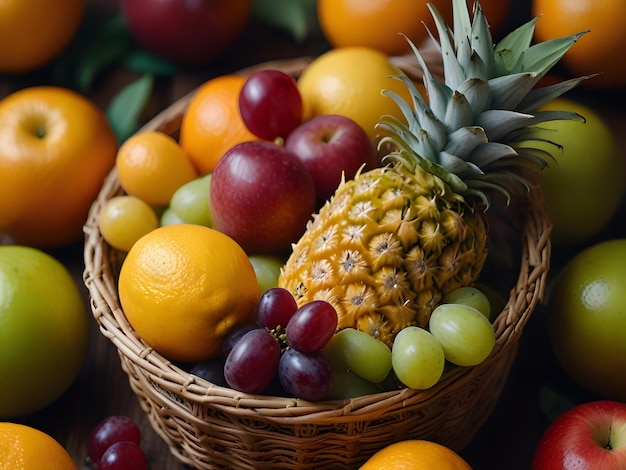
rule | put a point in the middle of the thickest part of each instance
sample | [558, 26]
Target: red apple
[191, 32]
[589, 436]
[262, 196]
[329, 145]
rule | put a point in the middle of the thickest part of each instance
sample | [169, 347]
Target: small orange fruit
[415, 454]
[349, 81]
[23, 447]
[56, 148]
[212, 123]
[152, 166]
[377, 24]
[595, 51]
[33, 32]
[183, 287]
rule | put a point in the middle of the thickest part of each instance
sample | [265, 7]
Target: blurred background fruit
[596, 51]
[24, 448]
[183, 287]
[56, 149]
[191, 33]
[416, 455]
[585, 186]
[377, 24]
[586, 318]
[34, 32]
[347, 81]
[44, 332]
[212, 123]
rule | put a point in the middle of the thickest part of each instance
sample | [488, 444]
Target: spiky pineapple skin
[385, 250]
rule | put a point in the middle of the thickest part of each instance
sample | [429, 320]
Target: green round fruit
[44, 330]
[587, 318]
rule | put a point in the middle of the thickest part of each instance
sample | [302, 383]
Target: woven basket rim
[99, 276]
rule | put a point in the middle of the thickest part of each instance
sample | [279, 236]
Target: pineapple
[393, 241]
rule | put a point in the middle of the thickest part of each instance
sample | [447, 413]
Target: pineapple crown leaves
[474, 133]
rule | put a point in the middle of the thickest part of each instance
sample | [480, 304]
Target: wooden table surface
[506, 441]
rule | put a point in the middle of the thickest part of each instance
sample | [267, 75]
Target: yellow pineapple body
[386, 249]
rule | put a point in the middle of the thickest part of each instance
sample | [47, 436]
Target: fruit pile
[115, 444]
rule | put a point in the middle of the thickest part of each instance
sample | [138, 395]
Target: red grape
[275, 307]
[312, 326]
[305, 375]
[235, 335]
[211, 370]
[253, 362]
[123, 455]
[109, 431]
[270, 104]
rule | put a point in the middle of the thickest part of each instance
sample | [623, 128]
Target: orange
[25, 448]
[44, 330]
[415, 455]
[349, 81]
[183, 287]
[595, 52]
[152, 166]
[56, 148]
[212, 123]
[33, 32]
[376, 23]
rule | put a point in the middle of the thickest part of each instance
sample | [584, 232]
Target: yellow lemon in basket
[152, 166]
[415, 454]
[44, 330]
[182, 287]
[349, 81]
[23, 447]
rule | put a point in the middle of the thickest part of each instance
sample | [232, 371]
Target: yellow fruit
[44, 330]
[583, 189]
[56, 148]
[349, 81]
[415, 455]
[183, 287]
[152, 166]
[26, 448]
[33, 32]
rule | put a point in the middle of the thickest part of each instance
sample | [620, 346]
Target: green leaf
[144, 62]
[553, 404]
[125, 108]
[297, 17]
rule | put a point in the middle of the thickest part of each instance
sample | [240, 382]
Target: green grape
[267, 269]
[470, 296]
[360, 353]
[169, 217]
[466, 336]
[124, 220]
[347, 384]
[191, 202]
[418, 358]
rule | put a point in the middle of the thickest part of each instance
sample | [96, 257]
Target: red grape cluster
[114, 444]
[282, 355]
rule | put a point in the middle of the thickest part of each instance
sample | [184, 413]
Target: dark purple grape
[211, 370]
[305, 375]
[270, 104]
[235, 335]
[312, 326]
[253, 362]
[123, 455]
[109, 431]
[275, 307]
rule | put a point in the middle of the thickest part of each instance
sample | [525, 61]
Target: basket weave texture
[212, 427]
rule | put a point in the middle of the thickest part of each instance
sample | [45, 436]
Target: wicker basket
[210, 427]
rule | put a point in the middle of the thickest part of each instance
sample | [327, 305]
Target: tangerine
[35, 31]
[23, 447]
[416, 454]
[152, 166]
[56, 149]
[183, 287]
[594, 52]
[377, 24]
[212, 123]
